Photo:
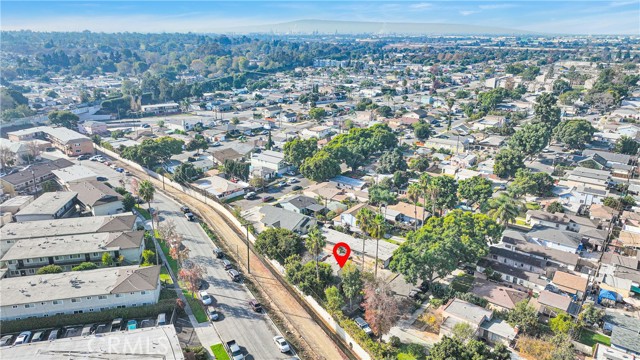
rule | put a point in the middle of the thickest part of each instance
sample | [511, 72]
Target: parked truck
[234, 350]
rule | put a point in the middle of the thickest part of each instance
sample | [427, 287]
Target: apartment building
[26, 256]
[70, 142]
[79, 292]
[49, 206]
[30, 180]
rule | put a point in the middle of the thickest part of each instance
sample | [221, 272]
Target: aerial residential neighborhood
[321, 189]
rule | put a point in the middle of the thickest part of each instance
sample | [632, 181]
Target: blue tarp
[607, 294]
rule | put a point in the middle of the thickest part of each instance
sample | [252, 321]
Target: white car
[282, 344]
[293, 180]
[206, 298]
[23, 338]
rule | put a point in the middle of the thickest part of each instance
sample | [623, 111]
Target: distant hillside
[364, 27]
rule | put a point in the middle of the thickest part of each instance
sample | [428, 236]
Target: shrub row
[57, 321]
[377, 350]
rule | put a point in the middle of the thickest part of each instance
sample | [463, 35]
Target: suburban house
[70, 142]
[49, 206]
[405, 213]
[303, 205]
[26, 256]
[551, 304]
[385, 249]
[268, 164]
[15, 204]
[18, 150]
[74, 174]
[79, 292]
[456, 145]
[480, 319]
[341, 181]
[284, 219]
[500, 298]
[624, 332]
[319, 132]
[556, 239]
[348, 218]
[30, 180]
[570, 284]
[97, 197]
[93, 127]
[271, 111]
[559, 221]
[587, 178]
[221, 188]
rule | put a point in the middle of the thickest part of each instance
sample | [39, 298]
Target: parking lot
[276, 191]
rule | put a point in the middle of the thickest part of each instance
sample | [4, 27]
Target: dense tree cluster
[279, 244]
[152, 152]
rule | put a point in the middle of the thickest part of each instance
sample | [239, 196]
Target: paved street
[254, 332]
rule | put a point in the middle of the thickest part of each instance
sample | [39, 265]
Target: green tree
[147, 257]
[443, 191]
[320, 167]
[352, 283]
[420, 163]
[279, 244]
[560, 86]
[422, 130]
[50, 186]
[463, 332]
[507, 162]
[562, 323]
[314, 243]
[392, 161]
[555, 207]
[436, 249]
[297, 150]
[504, 209]
[304, 276]
[475, 189]
[626, 145]
[531, 139]
[186, 173]
[84, 266]
[49, 269]
[527, 182]
[128, 202]
[525, 317]
[590, 314]
[107, 259]
[574, 133]
[317, 113]
[546, 110]
[334, 300]
[64, 118]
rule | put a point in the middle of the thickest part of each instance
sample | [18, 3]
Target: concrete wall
[107, 209]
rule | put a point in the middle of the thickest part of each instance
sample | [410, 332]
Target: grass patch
[522, 222]
[219, 352]
[172, 262]
[391, 241]
[462, 283]
[166, 278]
[591, 338]
[532, 206]
[196, 307]
[144, 212]
[405, 356]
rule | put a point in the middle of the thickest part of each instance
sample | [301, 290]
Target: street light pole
[35, 186]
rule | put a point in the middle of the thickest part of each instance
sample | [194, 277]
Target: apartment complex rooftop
[158, 343]
[63, 134]
[84, 225]
[48, 203]
[41, 288]
[73, 244]
[37, 171]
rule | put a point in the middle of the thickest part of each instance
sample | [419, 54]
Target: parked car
[206, 298]
[282, 344]
[102, 329]
[72, 332]
[250, 196]
[190, 216]
[6, 340]
[127, 173]
[227, 264]
[147, 323]
[296, 188]
[102, 178]
[37, 336]
[282, 184]
[23, 338]
[145, 126]
[116, 324]
[267, 198]
[132, 325]
[255, 305]
[212, 313]
[218, 253]
[86, 330]
[84, 157]
[95, 158]
[119, 169]
[216, 144]
[363, 325]
[234, 275]
[162, 319]
[185, 209]
[53, 335]
[293, 180]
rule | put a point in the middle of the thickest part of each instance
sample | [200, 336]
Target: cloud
[497, 6]
[622, 3]
[420, 6]
[468, 12]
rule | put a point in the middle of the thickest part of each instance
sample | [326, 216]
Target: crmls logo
[123, 345]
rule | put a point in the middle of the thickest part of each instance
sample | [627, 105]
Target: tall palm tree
[504, 209]
[364, 220]
[146, 190]
[377, 231]
[413, 194]
[425, 186]
[450, 101]
[315, 243]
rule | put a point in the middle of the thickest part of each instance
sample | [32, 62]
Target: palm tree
[315, 243]
[364, 220]
[450, 101]
[146, 191]
[377, 231]
[504, 209]
[425, 181]
[413, 194]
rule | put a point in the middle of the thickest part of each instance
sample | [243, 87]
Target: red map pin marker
[341, 252]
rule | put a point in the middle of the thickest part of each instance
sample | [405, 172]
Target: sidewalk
[205, 331]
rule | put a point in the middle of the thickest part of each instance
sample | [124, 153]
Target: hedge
[377, 350]
[57, 321]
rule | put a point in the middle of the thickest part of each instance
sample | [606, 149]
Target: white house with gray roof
[49, 206]
[79, 292]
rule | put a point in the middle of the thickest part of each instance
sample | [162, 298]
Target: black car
[185, 209]
[84, 157]
[296, 188]
[218, 253]
[101, 178]
[255, 305]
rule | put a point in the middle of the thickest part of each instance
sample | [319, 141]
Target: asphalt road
[253, 331]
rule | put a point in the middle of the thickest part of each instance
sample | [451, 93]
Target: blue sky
[545, 16]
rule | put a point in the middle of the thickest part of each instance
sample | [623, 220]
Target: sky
[540, 16]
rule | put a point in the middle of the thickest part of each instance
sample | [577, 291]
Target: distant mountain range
[366, 27]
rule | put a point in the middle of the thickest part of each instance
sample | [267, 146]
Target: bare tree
[381, 308]
[6, 156]
[192, 277]
[33, 149]
[167, 231]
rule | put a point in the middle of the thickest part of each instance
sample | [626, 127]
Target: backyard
[591, 338]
